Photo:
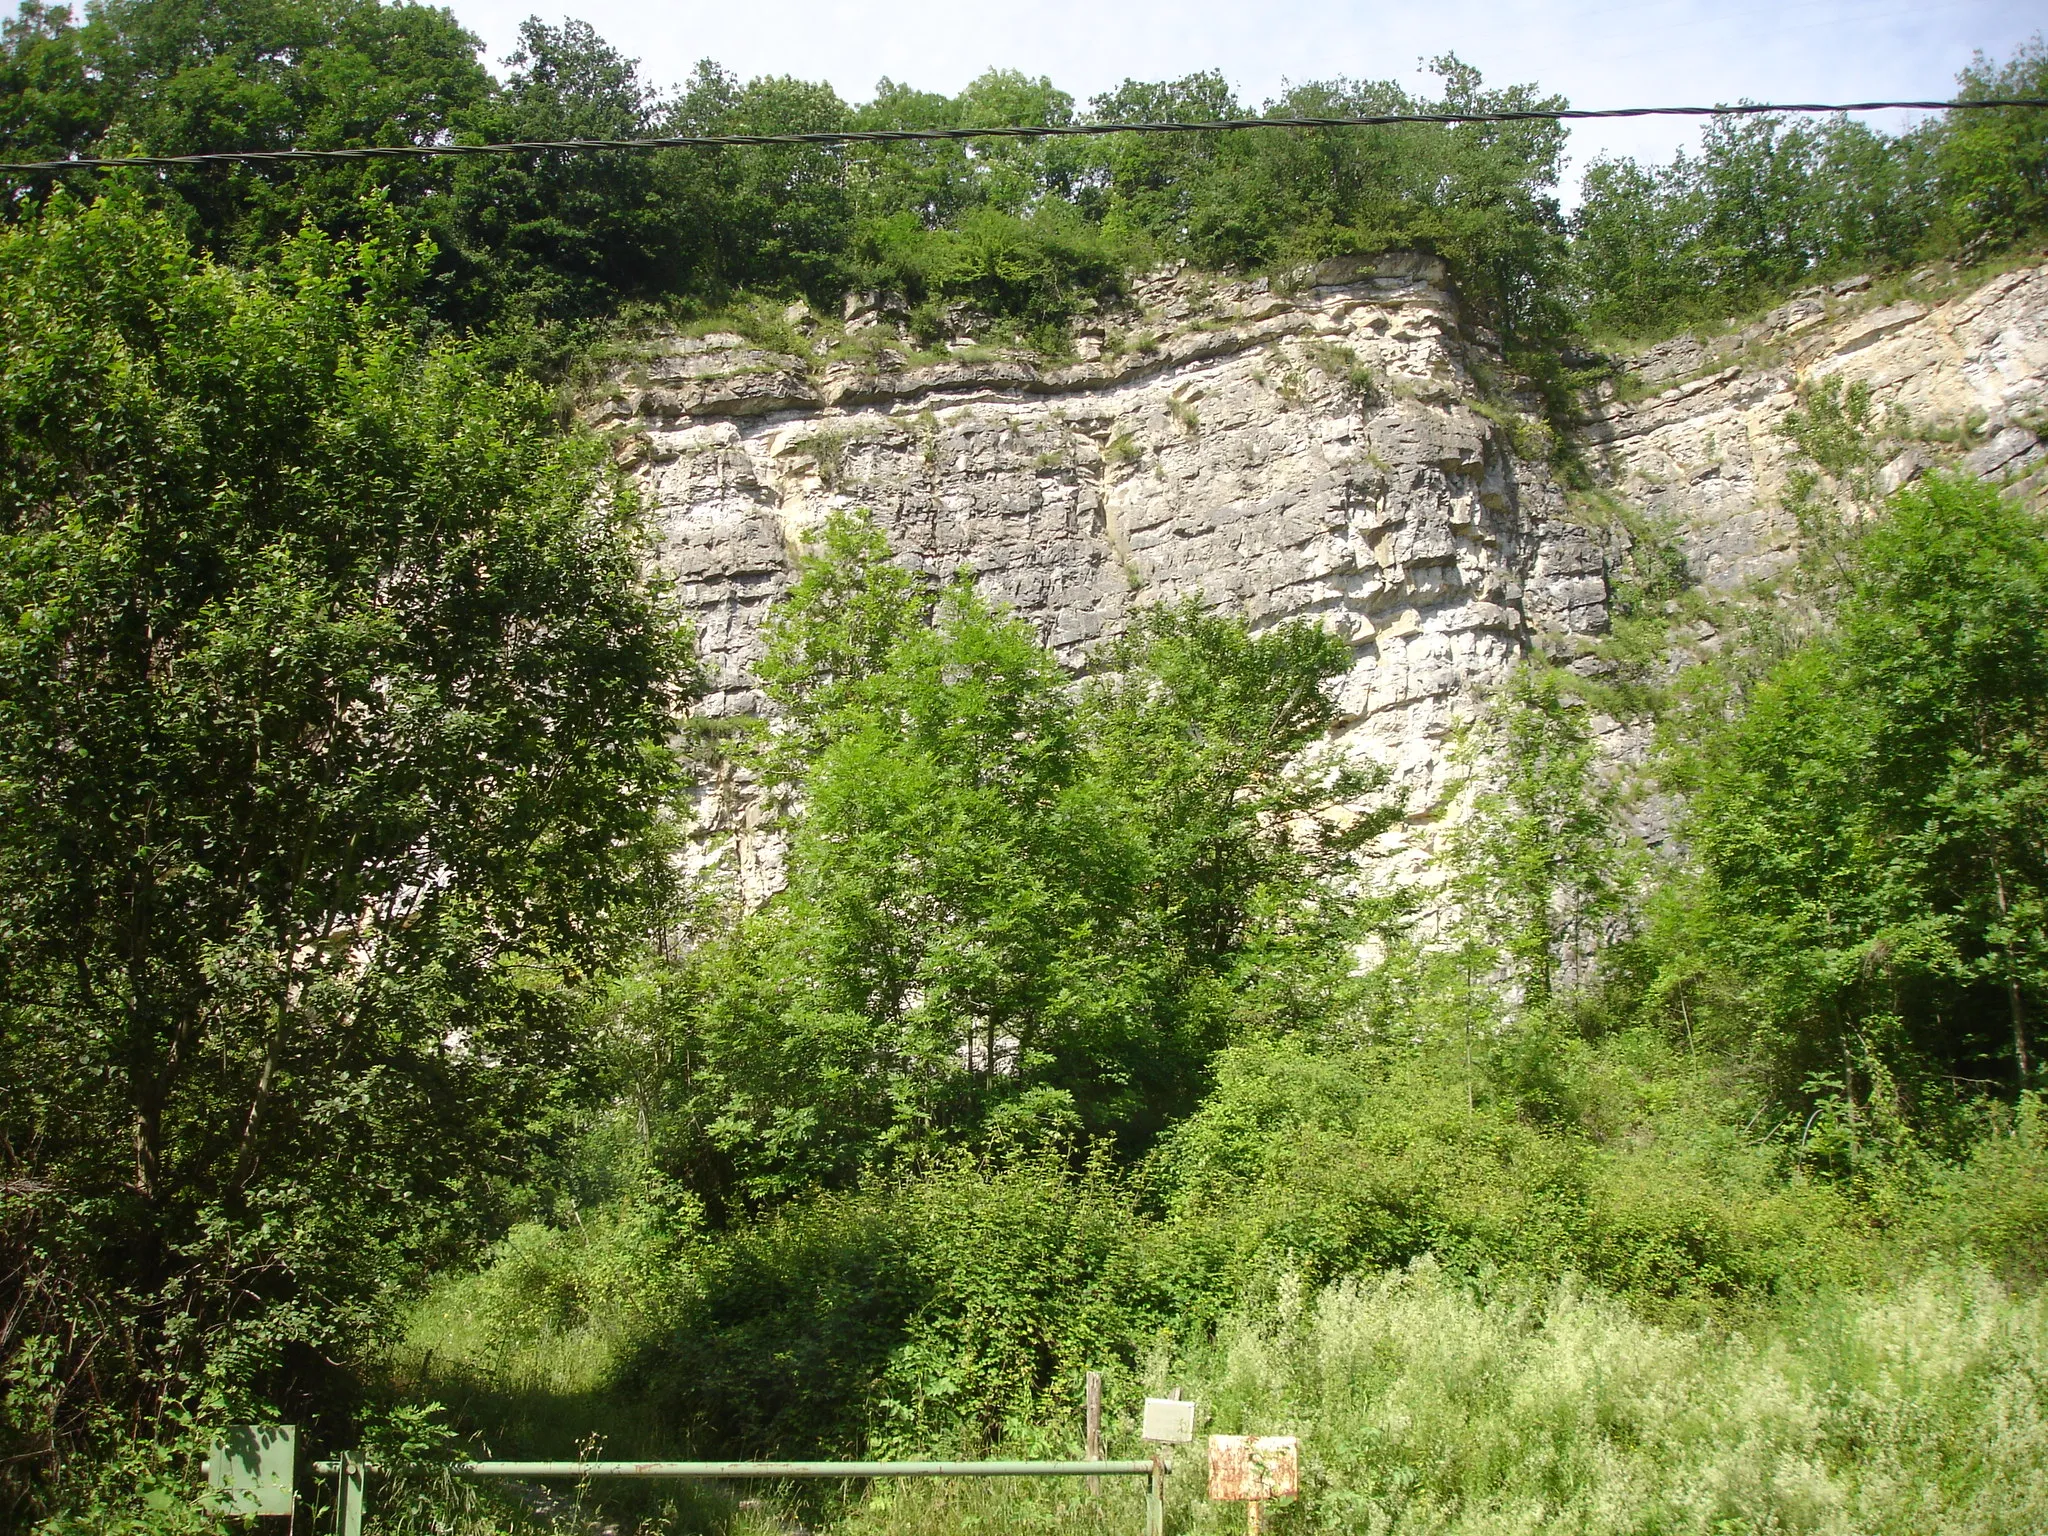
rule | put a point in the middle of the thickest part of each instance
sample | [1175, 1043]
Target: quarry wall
[1347, 446]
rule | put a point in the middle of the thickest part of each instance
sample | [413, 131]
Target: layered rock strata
[1349, 450]
[1710, 459]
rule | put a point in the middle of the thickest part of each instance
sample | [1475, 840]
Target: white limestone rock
[1327, 445]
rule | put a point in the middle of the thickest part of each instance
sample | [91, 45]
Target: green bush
[1993, 1207]
[1319, 1167]
[1030, 275]
[125, 1479]
[934, 1313]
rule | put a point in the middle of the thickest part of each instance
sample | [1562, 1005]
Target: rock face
[1346, 450]
[1709, 456]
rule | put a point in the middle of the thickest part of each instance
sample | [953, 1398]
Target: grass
[1886, 289]
[1342, 363]
[1430, 1404]
[540, 1391]
[827, 450]
[1844, 1375]
[1530, 440]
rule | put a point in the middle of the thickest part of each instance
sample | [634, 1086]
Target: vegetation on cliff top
[371, 1065]
[1022, 234]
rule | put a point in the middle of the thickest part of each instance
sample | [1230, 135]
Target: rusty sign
[1251, 1468]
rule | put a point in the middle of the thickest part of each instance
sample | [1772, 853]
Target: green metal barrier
[353, 1475]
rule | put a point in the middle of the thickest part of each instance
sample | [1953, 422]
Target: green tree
[784, 220]
[558, 236]
[1994, 162]
[186, 76]
[1871, 822]
[1633, 249]
[332, 719]
[1479, 194]
[49, 101]
[1018, 907]
[937, 182]
[1210, 733]
[1539, 865]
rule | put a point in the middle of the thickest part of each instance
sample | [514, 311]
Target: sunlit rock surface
[1344, 450]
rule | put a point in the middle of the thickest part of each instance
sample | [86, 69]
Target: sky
[1596, 52]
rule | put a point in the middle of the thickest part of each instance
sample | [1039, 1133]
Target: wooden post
[1092, 1427]
[1155, 1500]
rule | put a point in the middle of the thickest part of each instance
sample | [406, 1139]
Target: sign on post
[1168, 1421]
[1249, 1469]
[249, 1468]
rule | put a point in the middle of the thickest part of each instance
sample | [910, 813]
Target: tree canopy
[333, 719]
[1871, 822]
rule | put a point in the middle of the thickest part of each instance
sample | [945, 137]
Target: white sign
[1169, 1421]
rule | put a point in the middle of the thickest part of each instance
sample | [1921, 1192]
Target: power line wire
[943, 135]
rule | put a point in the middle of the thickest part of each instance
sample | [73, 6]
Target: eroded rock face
[1344, 451]
[1314, 454]
[1710, 456]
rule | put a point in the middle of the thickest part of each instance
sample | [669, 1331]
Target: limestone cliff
[1348, 448]
[1708, 456]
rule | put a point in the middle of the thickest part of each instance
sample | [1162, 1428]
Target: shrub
[936, 1312]
[1993, 1207]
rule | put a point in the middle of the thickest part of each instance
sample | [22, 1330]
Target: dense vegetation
[1768, 204]
[1022, 233]
[372, 1064]
[334, 712]
[1792, 1095]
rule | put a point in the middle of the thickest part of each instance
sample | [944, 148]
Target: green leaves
[1537, 861]
[1020, 906]
[1994, 162]
[333, 710]
[1026, 234]
[1769, 203]
[1872, 820]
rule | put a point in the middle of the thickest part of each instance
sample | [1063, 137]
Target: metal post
[348, 1498]
[714, 1471]
[1092, 1449]
[351, 1474]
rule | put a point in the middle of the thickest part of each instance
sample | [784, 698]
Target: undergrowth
[1561, 1287]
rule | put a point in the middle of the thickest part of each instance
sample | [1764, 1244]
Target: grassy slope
[1869, 1365]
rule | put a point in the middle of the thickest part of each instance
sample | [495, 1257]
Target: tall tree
[189, 76]
[1994, 162]
[553, 236]
[332, 719]
[1014, 901]
[1539, 863]
[1872, 822]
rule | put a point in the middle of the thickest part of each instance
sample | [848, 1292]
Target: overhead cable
[943, 135]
